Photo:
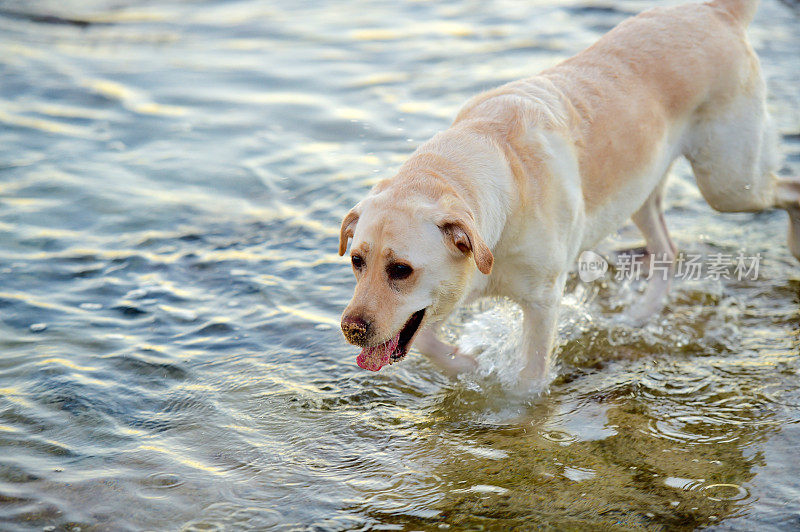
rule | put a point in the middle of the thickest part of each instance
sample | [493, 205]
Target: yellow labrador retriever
[533, 172]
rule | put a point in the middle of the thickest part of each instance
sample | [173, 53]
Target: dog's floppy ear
[461, 233]
[347, 230]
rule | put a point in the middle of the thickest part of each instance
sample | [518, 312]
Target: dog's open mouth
[375, 357]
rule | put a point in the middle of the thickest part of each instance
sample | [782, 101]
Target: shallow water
[172, 177]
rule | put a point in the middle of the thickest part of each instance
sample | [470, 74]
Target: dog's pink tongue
[374, 358]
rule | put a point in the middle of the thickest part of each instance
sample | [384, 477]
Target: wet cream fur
[534, 172]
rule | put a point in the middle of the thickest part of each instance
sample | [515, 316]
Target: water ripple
[171, 187]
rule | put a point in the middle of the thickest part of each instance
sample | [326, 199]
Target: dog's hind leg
[734, 156]
[650, 221]
[444, 356]
[735, 167]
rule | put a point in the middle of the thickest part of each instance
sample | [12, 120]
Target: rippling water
[172, 177]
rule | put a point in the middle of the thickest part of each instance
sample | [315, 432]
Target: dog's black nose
[356, 330]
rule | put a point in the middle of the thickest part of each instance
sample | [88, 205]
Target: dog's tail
[741, 10]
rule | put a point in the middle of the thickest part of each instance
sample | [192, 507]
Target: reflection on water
[172, 177]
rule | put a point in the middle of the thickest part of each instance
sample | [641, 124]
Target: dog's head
[413, 258]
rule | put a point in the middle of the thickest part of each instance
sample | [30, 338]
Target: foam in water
[494, 338]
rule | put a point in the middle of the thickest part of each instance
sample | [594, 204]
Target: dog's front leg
[540, 319]
[444, 356]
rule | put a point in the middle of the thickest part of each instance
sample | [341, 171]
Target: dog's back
[639, 82]
[629, 102]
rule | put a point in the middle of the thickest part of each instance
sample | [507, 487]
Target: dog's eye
[357, 261]
[398, 271]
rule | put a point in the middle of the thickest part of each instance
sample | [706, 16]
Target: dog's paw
[531, 386]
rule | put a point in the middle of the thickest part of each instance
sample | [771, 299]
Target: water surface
[172, 178]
